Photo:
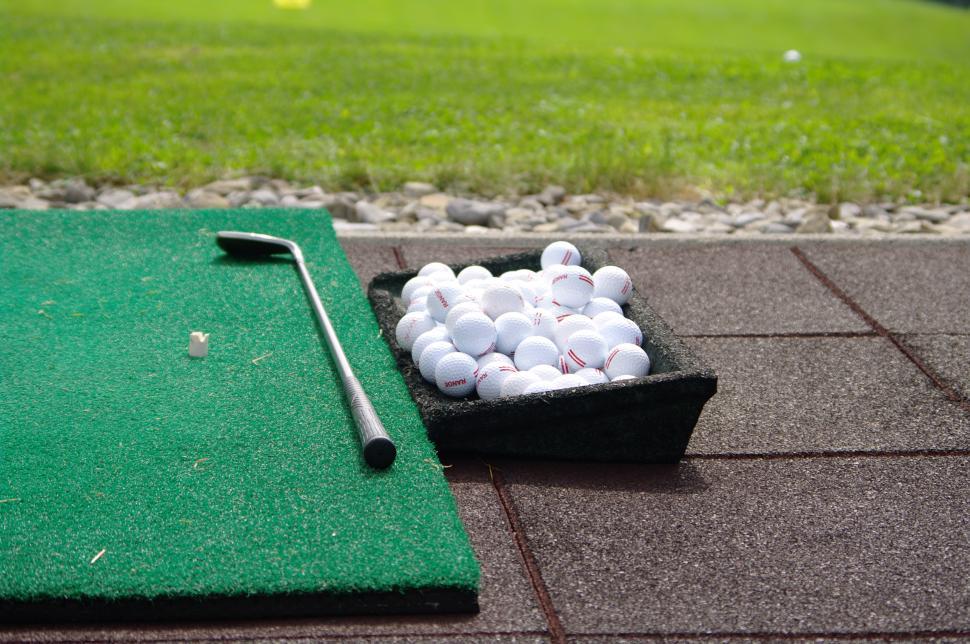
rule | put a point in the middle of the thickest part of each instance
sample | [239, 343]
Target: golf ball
[459, 310]
[585, 349]
[537, 388]
[546, 372]
[410, 327]
[544, 324]
[512, 328]
[613, 282]
[455, 374]
[620, 330]
[572, 286]
[501, 298]
[592, 376]
[627, 360]
[470, 273]
[494, 357]
[430, 357]
[442, 298]
[570, 325]
[567, 381]
[407, 293]
[535, 350]
[488, 383]
[515, 384]
[435, 267]
[437, 334]
[599, 305]
[560, 252]
[474, 334]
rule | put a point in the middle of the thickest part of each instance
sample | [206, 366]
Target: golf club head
[254, 245]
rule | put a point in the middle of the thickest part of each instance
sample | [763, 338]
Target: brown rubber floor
[824, 495]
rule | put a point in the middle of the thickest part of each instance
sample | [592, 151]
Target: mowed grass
[648, 97]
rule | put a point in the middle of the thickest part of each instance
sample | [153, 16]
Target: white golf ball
[420, 304]
[560, 252]
[792, 56]
[600, 318]
[516, 383]
[593, 376]
[474, 334]
[599, 305]
[459, 310]
[620, 330]
[435, 267]
[544, 324]
[585, 349]
[437, 334]
[407, 293]
[488, 383]
[570, 325]
[501, 298]
[546, 372]
[442, 298]
[470, 273]
[512, 328]
[613, 282]
[535, 350]
[455, 374]
[430, 357]
[627, 360]
[572, 286]
[410, 327]
[494, 358]
[566, 381]
[537, 388]
[421, 293]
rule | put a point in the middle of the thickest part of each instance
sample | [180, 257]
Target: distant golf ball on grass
[523, 331]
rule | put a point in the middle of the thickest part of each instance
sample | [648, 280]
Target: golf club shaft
[369, 426]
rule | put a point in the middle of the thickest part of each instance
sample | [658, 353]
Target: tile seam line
[557, 633]
[882, 331]
[313, 638]
[925, 453]
[794, 335]
[768, 635]
[399, 257]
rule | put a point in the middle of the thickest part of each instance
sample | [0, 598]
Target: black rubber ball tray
[646, 420]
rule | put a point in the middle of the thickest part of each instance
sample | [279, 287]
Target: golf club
[379, 449]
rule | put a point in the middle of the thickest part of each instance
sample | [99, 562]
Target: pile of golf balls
[521, 332]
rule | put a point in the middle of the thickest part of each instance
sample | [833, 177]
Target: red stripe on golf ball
[576, 358]
[609, 358]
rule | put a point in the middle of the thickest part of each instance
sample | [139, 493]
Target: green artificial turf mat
[227, 485]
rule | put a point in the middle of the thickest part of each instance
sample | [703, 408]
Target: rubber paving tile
[718, 289]
[787, 546]
[948, 356]
[784, 395]
[907, 287]
[369, 259]
[508, 604]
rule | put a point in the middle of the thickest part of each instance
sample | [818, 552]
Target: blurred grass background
[662, 97]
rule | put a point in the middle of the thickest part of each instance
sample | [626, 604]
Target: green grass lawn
[647, 97]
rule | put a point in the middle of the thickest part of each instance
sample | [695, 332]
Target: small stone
[14, 196]
[476, 230]
[550, 227]
[629, 227]
[650, 223]
[373, 214]
[205, 199]
[597, 217]
[912, 227]
[815, 222]
[344, 226]
[674, 225]
[718, 228]
[551, 196]
[589, 227]
[848, 209]
[745, 218]
[617, 220]
[158, 201]
[937, 216]
[776, 228]
[960, 221]
[313, 192]
[438, 201]
[469, 212]
[341, 207]
[238, 198]
[873, 211]
[289, 201]
[415, 189]
[264, 197]
[309, 204]
[227, 186]
[118, 199]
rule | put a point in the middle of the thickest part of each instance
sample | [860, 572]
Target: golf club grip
[379, 449]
